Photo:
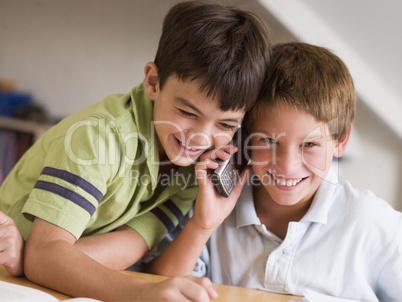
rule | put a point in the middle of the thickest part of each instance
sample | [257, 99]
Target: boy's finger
[223, 152]
[194, 292]
[212, 293]
[229, 148]
[207, 155]
[206, 164]
[206, 283]
[201, 170]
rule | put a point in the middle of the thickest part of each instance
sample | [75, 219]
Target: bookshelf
[16, 136]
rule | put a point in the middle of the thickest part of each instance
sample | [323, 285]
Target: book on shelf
[12, 146]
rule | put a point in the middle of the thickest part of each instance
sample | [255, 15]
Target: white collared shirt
[349, 245]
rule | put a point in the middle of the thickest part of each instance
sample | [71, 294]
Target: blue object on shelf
[11, 101]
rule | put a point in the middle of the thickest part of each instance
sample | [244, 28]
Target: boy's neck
[274, 216]
[167, 168]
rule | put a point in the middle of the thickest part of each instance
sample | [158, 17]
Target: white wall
[371, 26]
[374, 158]
[72, 53]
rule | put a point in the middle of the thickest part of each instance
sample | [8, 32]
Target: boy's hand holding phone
[211, 207]
[227, 174]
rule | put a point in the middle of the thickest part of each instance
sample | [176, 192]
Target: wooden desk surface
[225, 292]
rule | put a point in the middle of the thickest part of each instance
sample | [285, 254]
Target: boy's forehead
[191, 88]
[190, 94]
[204, 107]
[285, 120]
[198, 91]
[321, 131]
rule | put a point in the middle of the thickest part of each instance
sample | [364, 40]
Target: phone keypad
[229, 179]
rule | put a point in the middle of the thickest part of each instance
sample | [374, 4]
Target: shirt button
[279, 253]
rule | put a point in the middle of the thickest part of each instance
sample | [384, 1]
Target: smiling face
[187, 122]
[292, 153]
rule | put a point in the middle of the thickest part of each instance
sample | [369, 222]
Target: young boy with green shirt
[296, 227]
[120, 174]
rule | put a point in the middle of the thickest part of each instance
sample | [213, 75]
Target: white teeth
[287, 183]
[189, 148]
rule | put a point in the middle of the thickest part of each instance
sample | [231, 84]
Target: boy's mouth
[189, 150]
[188, 147]
[286, 182]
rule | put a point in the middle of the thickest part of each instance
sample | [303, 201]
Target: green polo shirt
[98, 170]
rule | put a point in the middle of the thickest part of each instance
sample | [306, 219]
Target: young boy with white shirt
[295, 226]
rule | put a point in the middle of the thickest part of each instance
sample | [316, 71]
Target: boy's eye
[309, 144]
[228, 127]
[186, 113]
[269, 140]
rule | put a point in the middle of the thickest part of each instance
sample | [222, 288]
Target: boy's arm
[11, 246]
[211, 209]
[116, 250]
[52, 260]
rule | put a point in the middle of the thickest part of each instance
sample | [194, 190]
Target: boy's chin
[184, 161]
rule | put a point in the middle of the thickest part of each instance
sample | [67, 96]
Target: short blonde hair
[311, 79]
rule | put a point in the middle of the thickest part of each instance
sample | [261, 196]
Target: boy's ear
[341, 145]
[151, 81]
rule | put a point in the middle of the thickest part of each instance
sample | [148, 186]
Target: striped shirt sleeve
[67, 192]
[154, 225]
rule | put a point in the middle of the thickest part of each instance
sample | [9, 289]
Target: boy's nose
[199, 139]
[287, 160]
[220, 139]
[207, 136]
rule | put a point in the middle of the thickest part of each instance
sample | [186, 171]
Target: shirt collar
[319, 209]
[143, 115]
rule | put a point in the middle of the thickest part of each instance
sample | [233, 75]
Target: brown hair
[312, 79]
[226, 49]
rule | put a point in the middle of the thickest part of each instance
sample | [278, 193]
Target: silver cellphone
[225, 177]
